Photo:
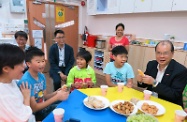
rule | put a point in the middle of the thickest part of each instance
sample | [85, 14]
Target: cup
[180, 115]
[120, 87]
[104, 89]
[147, 94]
[58, 114]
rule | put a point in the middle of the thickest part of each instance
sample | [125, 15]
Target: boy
[14, 105]
[119, 70]
[82, 75]
[21, 39]
[36, 63]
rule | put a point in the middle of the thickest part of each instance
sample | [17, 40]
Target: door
[44, 17]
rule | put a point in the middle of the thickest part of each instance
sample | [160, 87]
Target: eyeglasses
[60, 37]
[164, 53]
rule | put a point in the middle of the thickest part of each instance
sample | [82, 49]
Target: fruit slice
[140, 72]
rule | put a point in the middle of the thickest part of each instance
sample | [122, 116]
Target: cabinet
[91, 7]
[126, 6]
[179, 5]
[142, 6]
[102, 6]
[161, 5]
[135, 59]
[113, 6]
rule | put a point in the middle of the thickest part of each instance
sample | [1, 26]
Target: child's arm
[129, 83]
[70, 78]
[108, 81]
[48, 96]
[60, 95]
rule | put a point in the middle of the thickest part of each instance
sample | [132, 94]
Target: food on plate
[125, 107]
[93, 102]
[134, 100]
[150, 109]
[141, 118]
[140, 72]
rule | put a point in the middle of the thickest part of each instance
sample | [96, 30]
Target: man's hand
[139, 78]
[148, 80]
[63, 77]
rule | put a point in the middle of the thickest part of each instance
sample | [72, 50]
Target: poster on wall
[60, 14]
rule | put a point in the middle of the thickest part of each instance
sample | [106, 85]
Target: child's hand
[25, 92]
[77, 85]
[90, 84]
[62, 95]
[129, 84]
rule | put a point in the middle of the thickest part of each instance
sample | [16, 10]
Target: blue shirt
[119, 74]
[37, 86]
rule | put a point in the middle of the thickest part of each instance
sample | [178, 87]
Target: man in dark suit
[164, 75]
[61, 59]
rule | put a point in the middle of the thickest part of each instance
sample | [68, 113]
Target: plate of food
[142, 118]
[151, 107]
[96, 102]
[123, 107]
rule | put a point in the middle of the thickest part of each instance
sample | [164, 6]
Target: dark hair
[120, 24]
[31, 52]
[119, 50]
[58, 31]
[10, 55]
[21, 33]
[85, 54]
[164, 42]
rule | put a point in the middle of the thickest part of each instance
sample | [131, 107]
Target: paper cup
[147, 94]
[180, 115]
[104, 89]
[58, 114]
[120, 87]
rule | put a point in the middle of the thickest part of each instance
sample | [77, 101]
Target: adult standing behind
[119, 39]
[164, 75]
[61, 59]
[21, 39]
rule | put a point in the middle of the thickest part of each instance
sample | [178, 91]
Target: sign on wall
[60, 14]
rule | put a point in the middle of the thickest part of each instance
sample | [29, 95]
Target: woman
[119, 39]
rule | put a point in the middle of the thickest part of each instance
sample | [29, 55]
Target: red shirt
[124, 41]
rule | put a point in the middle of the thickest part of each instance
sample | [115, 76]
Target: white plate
[161, 109]
[118, 101]
[103, 99]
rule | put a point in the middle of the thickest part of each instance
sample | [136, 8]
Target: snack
[141, 118]
[64, 87]
[140, 72]
[93, 102]
[125, 108]
[150, 109]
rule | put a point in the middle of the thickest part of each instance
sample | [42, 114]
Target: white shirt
[61, 56]
[160, 74]
[12, 108]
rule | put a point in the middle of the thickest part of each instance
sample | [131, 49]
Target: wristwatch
[155, 83]
[59, 72]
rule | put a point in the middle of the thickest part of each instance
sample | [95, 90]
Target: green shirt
[80, 74]
[184, 94]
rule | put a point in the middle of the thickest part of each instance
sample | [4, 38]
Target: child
[119, 39]
[119, 70]
[82, 75]
[41, 102]
[14, 104]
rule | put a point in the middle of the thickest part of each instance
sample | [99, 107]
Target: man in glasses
[164, 76]
[61, 59]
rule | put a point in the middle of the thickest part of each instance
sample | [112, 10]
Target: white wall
[146, 25]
